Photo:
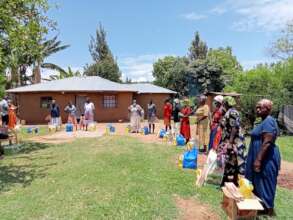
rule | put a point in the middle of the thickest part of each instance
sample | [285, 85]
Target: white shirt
[89, 107]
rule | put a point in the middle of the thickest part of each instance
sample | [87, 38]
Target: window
[110, 101]
[46, 102]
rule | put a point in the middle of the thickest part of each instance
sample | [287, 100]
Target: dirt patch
[285, 178]
[193, 209]
[65, 137]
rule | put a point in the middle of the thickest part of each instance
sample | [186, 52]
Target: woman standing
[216, 131]
[12, 119]
[263, 159]
[71, 110]
[89, 109]
[167, 114]
[231, 150]
[185, 124]
[202, 115]
[176, 117]
[135, 116]
[152, 116]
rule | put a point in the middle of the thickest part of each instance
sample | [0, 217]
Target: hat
[230, 100]
[176, 101]
[219, 98]
[186, 101]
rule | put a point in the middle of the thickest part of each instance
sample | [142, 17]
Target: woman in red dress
[167, 114]
[185, 124]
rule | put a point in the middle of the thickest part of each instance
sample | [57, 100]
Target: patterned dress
[232, 157]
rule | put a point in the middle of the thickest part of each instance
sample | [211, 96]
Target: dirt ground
[192, 209]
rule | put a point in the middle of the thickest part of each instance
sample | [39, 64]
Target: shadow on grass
[23, 175]
[25, 148]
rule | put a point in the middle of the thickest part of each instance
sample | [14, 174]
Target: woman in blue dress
[263, 159]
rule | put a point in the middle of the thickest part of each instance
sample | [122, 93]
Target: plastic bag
[190, 159]
[180, 140]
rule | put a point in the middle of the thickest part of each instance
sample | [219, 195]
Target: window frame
[111, 103]
[47, 99]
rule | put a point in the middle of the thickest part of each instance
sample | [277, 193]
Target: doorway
[79, 102]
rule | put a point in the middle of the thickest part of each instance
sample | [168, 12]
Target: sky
[140, 32]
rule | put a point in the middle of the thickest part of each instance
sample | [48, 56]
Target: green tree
[198, 48]
[282, 48]
[22, 27]
[61, 72]
[48, 47]
[170, 72]
[261, 82]
[206, 76]
[227, 61]
[104, 63]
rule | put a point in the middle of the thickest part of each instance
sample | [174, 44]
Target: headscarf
[176, 101]
[266, 103]
[219, 99]
[230, 101]
[202, 98]
[186, 101]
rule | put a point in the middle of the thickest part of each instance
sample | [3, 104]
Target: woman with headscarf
[202, 115]
[185, 124]
[216, 131]
[167, 114]
[152, 116]
[231, 150]
[263, 159]
[135, 116]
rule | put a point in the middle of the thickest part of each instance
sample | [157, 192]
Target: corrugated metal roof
[88, 84]
[150, 88]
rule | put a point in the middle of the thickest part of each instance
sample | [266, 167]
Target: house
[110, 98]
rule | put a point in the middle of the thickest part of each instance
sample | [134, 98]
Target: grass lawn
[112, 177]
[286, 146]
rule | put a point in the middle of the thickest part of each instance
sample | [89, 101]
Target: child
[82, 122]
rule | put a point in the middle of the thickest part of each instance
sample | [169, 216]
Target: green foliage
[170, 72]
[227, 61]
[104, 63]
[198, 48]
[206, 75]
[262, 82]
[62, 73]
[282, 48]
[22, 28]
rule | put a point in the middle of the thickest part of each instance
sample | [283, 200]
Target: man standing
[4, 110]
[55, 114]
[89, 109]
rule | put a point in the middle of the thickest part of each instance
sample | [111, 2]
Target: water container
[69, 127]
[146, 130]
[190, 159]
[162, 133]
[29, 130]
[36, 130]
[180, 140]
[112, 129]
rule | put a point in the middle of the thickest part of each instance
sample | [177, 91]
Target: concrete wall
[158, 99]
[30, 109]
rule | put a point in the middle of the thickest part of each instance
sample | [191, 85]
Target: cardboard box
[240, 209]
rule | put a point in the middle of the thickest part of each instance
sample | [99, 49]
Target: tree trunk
[36, 74]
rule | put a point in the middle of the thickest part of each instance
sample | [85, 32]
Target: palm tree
[48, 48]
[62, 73]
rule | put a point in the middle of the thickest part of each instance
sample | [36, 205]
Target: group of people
[8, 120]
[84, 119]
[221, 131]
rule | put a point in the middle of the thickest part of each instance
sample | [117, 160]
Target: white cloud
[261, 15]
[138, 68]
[194, 16]
[218, 10]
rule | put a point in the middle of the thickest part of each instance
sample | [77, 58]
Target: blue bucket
[180, 140]
[69, 127]
[29, 130]
[162, 133]
[146, 130]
